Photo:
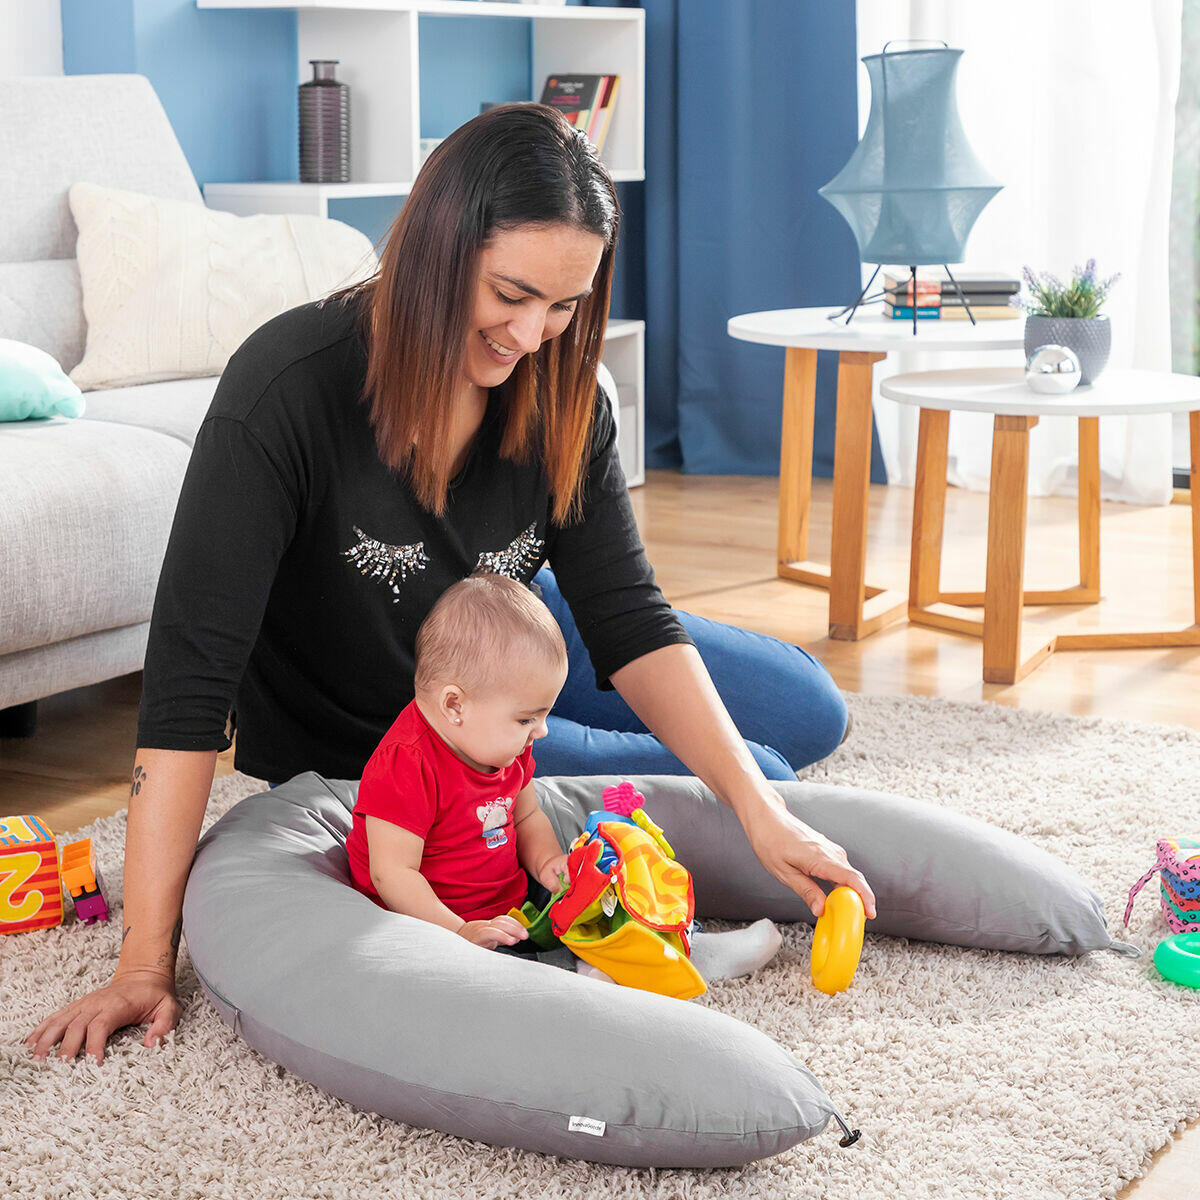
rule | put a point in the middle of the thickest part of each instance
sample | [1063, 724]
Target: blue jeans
[782, 700]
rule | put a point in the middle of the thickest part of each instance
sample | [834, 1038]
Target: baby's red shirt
[417, 782]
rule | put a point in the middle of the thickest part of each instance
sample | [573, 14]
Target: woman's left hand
[798, 856]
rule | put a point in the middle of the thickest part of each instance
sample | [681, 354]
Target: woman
[363, 453]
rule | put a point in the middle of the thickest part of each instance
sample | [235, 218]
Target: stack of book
[586, 101]
[989, 292]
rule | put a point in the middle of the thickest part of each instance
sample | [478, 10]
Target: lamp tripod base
[865, 298]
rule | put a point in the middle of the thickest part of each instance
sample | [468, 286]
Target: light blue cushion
[32, 384]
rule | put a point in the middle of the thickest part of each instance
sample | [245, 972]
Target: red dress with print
[417, 782]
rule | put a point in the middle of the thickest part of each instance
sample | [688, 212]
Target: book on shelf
[981, 312]
[587, 101]
[905, 313]
[937, 282]
[929, 291]
[598, 130]
[949, 299]
[951, 312]
[925, 299]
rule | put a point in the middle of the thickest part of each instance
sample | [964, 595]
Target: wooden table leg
[796, 453]
[860, 608]
[1002, 659]
[1089, 508]
[1161, 638]
[929, 509]
[925, 598]
[938, 607]
[850, 616]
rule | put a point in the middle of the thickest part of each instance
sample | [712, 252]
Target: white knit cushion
[171, 289]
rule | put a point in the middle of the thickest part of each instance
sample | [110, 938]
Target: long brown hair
[520, 164]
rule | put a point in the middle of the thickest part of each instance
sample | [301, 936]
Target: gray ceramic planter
[1089, 337]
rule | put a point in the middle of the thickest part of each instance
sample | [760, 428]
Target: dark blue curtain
[751, 105]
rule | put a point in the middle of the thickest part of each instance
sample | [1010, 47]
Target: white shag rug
[971, 1074]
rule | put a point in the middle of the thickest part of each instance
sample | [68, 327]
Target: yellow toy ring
[837, 941]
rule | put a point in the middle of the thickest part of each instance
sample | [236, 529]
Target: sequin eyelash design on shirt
[516, 558]
[378, 560]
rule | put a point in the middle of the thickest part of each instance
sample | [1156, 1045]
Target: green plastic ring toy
[1177, 958]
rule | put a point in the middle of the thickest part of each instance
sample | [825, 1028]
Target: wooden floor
[712, 543]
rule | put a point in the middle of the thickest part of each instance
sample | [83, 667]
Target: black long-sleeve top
[299, 566]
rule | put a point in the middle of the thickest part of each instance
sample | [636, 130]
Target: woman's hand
[498, 931]
[797, 855]
[553, 874]
[134, 996]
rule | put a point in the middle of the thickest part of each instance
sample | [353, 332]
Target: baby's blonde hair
[479, 629]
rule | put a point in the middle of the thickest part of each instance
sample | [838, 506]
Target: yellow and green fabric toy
[627, 906]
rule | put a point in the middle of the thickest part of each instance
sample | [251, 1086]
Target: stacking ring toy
[837, 941]
[1178, 959]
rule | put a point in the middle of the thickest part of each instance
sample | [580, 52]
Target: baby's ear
[451, 701]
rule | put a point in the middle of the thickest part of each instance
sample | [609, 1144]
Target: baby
[447, 826]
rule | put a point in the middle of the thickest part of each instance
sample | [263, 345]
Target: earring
[458, 720]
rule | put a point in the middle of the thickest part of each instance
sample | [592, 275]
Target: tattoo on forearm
[167, 957]
[139, 777]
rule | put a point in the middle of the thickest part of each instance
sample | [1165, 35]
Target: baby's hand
[550, 872]
[498, 931]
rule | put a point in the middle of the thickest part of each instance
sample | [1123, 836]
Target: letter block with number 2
[30, 887]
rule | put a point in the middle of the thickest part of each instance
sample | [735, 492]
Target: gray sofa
[85, 505]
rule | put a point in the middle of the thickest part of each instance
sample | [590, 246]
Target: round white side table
[1003, 392]
[856, 609]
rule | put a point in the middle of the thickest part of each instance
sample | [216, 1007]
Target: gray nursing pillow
[937, 876]
[398, 1016]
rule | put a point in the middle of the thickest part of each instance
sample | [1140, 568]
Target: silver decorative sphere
[1052, 370]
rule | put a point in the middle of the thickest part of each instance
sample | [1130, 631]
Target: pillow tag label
[586, 1125]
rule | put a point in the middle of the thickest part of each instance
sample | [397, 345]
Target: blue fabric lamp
[913, 188]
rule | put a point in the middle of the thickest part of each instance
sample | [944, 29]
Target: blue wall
[469, 61]
[226, 79]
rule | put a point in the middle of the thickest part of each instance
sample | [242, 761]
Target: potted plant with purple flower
[1068, 314]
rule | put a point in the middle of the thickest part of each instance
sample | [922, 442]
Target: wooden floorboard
[712, 541]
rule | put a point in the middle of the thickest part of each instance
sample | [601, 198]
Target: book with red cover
[587, 101]
[575, 96]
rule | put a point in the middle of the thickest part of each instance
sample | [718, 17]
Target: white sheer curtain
[1071, 105]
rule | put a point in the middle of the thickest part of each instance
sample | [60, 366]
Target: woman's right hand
[499, 931]
[134, 996]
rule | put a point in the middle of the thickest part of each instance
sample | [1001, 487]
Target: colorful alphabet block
[30, 891]
[82, 880]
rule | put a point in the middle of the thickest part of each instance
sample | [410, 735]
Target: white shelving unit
[377, 45]
[624, 355]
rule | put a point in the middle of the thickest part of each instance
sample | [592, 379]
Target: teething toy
[837, 941]
[1178, 959]
[628, 905]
